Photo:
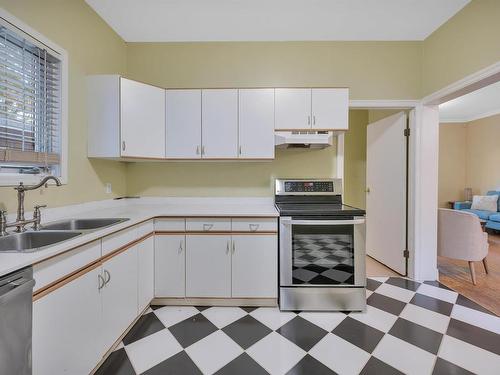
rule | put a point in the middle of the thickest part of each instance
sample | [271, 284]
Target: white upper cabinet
[219, 124]
[183, 124]
[330, 108]
[293, 108]
[256, 123]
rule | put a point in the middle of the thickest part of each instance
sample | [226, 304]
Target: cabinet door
[119, 294]
[208, 266]
[183, 124]
[219, 124]
[330, 108]
[170, 266]
[254, 266]
[256, 123]
[66, 328]
[142, 120]
[293, 108]
[145, 269]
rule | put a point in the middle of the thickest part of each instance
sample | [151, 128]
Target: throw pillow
[485, 202]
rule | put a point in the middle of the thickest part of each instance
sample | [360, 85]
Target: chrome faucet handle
[37, 216]
[3, 222]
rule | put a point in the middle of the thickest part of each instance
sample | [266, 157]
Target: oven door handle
[357, 221]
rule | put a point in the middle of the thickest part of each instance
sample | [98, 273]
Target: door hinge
[406, 253]
[406, 132]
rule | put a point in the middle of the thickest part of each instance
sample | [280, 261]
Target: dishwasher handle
[357, 221]
[18, 286]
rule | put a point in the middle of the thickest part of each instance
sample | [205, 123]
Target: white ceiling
[475, 105]
[274, 20]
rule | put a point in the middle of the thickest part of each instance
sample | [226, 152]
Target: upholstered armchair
[460, 236]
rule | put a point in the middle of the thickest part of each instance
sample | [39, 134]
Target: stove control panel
[308, 187]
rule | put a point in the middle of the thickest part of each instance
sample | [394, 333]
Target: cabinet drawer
[144, 229]
[62, 265]
[208, 225]
[255, 225]
[170, 225]
[115, 241]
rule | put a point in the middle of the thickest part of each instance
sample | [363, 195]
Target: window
[31, 107]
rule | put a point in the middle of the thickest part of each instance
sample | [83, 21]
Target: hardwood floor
[455, 275]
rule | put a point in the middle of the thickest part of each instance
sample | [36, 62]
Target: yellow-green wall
[93, 48]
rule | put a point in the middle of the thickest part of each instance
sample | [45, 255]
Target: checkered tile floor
[408, 327]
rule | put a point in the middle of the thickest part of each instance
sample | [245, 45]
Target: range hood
[303, 139]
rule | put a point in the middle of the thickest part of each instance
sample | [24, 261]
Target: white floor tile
[339, 355]
[222, 316]
[151, 350]
[272, 316]
[368, 293]
[325, 320]
[170, 315]
[427, 318]
[395, 292]
[477, 318]
[276, 354]
[213, 352]
[440, 293]
[381, 279]
[376, 318]
[404, 356]
[469, 357]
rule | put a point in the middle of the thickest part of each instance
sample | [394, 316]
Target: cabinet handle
[234, 247]
[308, 120]
[227, 247]
[239, 150]
[99, 279]
[180, 247]
[197, 150]
[203, 150]
[314, 120]
[107, 276]
[123, 145]
[207, 227]
[254, 227]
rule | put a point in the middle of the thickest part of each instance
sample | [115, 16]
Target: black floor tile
[116, 364]
[310, 366]
[243, 365]
[403, 283]
[145, 326]
[464, 301]
[474, 335]
[385, 303]
[179, 364]
[192, 330]
[156, 307]
[246, 331]
[359, 334]
[302, 332]
[249, 309]
[443, 367]
[372, 284]
[315, 268]
[417, 335]
[433, 304]
[201, 308]
[375, 366]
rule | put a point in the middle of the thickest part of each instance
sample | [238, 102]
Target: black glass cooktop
[318, 209]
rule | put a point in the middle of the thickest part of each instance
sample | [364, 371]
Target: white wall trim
[386, 104]
[471, 118]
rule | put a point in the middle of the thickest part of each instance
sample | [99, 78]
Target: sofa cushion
[484, 215]
[494, 192]
[495, 217]
[485, 202]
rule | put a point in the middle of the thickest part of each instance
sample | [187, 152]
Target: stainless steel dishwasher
[16, 310]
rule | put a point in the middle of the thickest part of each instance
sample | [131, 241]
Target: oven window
[323, 254]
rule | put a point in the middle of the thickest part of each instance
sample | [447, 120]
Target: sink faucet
[21, 221]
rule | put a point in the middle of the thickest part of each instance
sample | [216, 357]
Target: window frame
[12, 179]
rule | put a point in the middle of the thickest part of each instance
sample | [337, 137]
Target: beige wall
[468, 42]
[469, 156]
[93, 48]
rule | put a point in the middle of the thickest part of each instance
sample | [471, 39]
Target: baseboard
[268, 302]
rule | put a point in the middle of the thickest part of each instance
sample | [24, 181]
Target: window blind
[30, 105]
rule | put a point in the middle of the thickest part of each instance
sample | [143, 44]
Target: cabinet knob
[107, 277]
[207, 227]
[123, 145]
[197, 150]
[308, 120]
[253, 227]
[227, 247]
[239, 150]
[234, 247]
[180, 247]
[314, 120]
[101, 282]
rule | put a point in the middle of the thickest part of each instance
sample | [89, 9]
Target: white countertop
[136, 210]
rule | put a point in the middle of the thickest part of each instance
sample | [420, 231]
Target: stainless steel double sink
[53, 233]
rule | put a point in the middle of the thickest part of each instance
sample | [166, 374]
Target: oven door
[318, 253]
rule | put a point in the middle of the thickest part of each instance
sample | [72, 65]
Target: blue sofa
[492, 217]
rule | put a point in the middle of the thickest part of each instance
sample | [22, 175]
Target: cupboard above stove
[130, 120]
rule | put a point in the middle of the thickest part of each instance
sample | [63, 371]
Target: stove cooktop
[318, 209]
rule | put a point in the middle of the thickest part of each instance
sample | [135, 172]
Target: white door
[142, 120]
[256, 123]
[386, 191]
[170, 265]
[330, 108]
[293, 108]
[183, 124]
[66, 327]
[119, 294]
[145, 269]
[208, 266]
[254, 266]
[219, 129]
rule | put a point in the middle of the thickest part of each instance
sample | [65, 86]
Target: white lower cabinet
[66, 328]
[208, 266]
[145, 269]
[254, 266]
[170, 265]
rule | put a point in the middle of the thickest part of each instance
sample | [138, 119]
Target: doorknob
[367, 190]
